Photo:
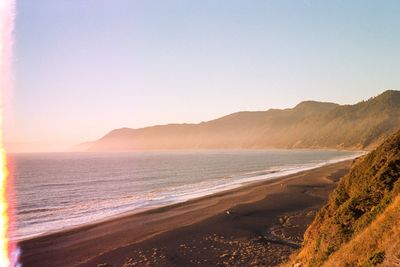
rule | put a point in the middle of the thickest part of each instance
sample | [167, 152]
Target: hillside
[308, 125]
[360, 225]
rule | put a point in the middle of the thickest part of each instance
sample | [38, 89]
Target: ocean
[56, 191]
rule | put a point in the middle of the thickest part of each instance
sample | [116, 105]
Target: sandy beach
[259, 224]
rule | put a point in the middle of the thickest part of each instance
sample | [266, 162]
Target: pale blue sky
[84, 67]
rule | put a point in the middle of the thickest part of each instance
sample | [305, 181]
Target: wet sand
[256, 225]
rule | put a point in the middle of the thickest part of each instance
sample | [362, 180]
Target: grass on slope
[378, 244]
[360, 197]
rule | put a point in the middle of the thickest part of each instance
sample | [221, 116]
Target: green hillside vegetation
[377, 245]
[308, 125]
[360, 225]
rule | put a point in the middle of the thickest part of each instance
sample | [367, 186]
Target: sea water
[62, 190]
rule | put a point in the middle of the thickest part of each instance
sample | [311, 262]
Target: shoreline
[103, 241]
[246, 180]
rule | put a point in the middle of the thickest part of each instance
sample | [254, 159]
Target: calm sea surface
[62, 190]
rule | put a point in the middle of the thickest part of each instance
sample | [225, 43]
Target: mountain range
[310, 124]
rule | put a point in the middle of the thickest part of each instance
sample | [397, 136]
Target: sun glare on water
[7, 16]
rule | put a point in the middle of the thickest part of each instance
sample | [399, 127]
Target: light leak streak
[8, 252]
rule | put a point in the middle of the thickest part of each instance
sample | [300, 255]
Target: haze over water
[61, 190]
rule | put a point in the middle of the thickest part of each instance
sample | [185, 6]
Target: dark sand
[265, 224]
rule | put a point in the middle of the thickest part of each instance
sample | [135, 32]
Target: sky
[85, 67]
